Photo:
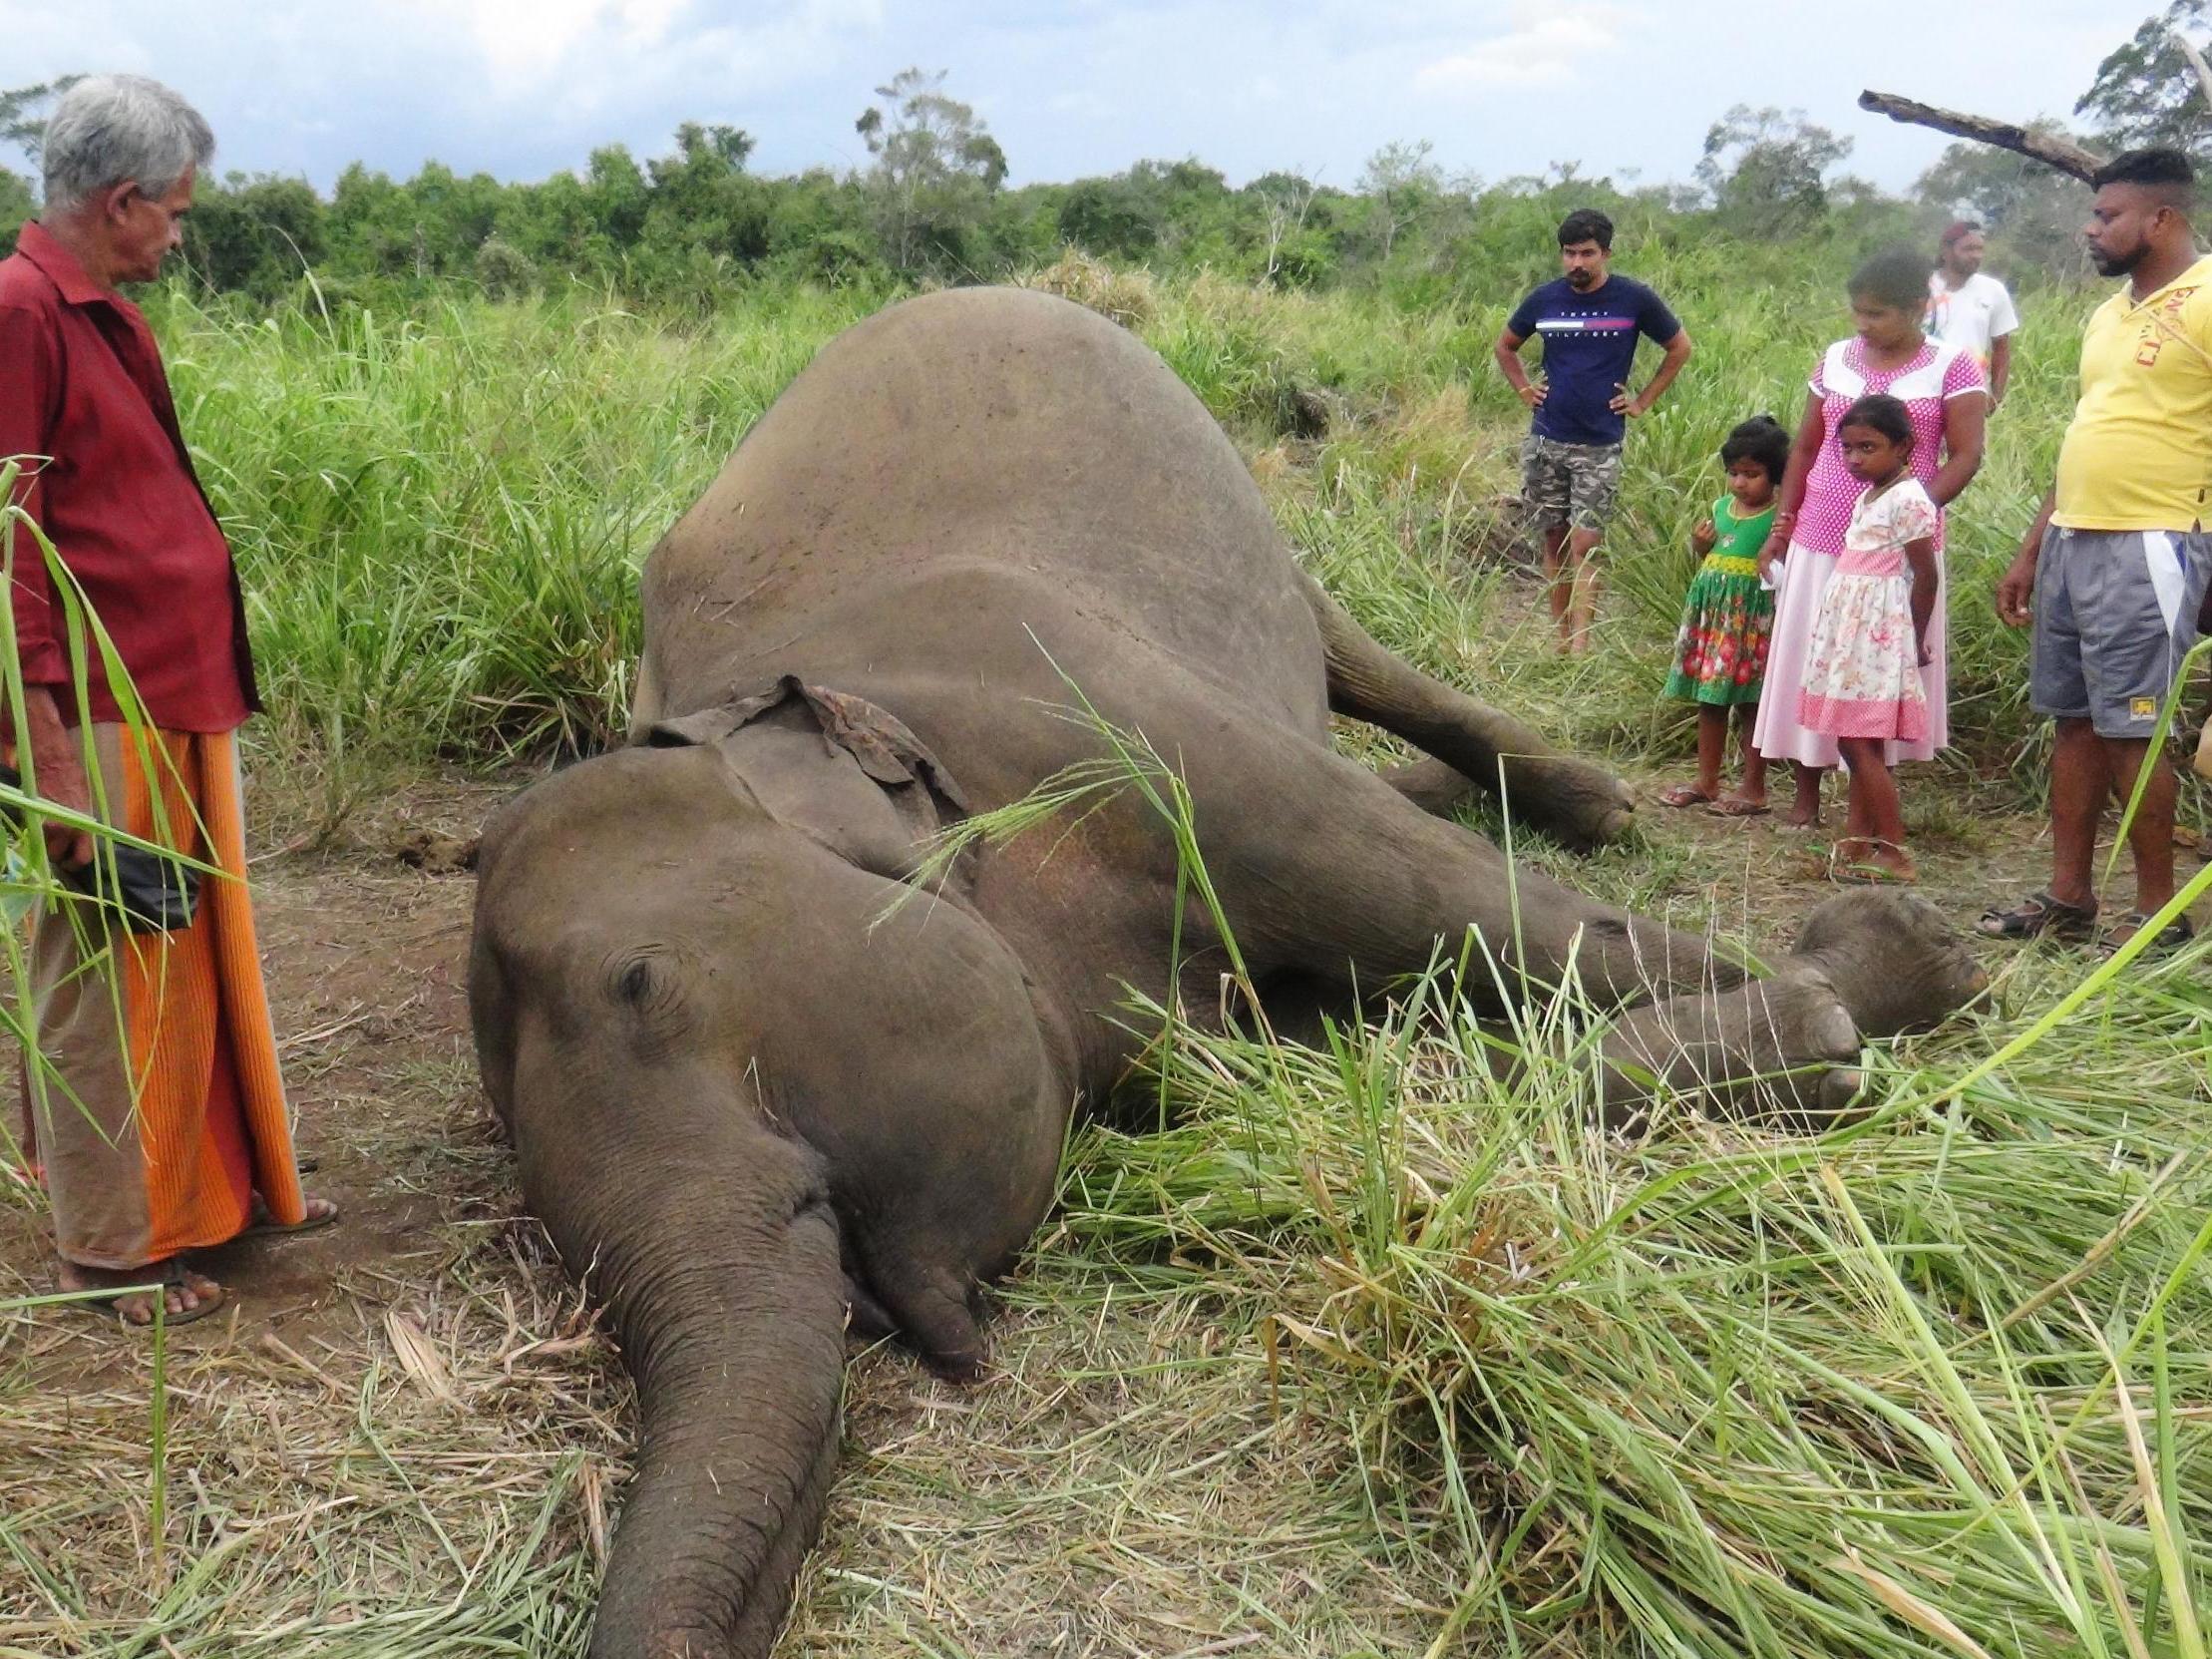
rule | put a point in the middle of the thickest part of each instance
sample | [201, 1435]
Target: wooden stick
[2196, 62]
[2048, 147]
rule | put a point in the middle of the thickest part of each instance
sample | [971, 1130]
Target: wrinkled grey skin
[750, 1095]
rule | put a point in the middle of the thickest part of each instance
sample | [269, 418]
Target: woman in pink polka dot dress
[1944, 390]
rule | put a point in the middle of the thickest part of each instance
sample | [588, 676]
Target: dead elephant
[749, 1093]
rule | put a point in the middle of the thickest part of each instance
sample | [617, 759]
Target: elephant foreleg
[1330, 869]
[1583, 804]
[1434, 787]
[1345, 880]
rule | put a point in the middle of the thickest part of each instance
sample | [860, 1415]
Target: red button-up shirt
[82, 384]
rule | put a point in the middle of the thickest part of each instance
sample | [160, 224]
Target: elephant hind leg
[1584, 805]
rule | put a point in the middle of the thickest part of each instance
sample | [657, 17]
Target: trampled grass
[1367, 1353]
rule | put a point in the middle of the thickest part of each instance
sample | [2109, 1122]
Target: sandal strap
[2037, 913]
[2175, 934]
[2179, 927]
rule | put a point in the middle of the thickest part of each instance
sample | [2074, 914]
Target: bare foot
[1896, 861]
[1868, 862]
[186, 1294]
[1801, 816]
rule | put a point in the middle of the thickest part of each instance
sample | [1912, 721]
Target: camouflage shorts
[1569, 484]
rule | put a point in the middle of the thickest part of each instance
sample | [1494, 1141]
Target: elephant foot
[1774, 1047]
[1868, 965]
[1575, 801]
[1894, 961]
[934, 1311]
[865, 1317]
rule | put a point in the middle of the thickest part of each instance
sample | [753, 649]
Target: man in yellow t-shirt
[2115, 572]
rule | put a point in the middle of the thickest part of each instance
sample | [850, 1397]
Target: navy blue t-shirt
[1588, 346]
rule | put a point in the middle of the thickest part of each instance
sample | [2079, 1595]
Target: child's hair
[1763, 439]
[1896, 277]
[1879, 412]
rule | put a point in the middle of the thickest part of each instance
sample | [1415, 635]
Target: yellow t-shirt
[2138, 455]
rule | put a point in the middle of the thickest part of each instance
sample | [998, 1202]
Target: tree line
[933, 202]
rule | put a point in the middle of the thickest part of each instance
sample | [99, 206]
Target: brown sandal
[2170, 938]
[106, 1304]
[1735, 806]
[264, 1226]
[2038, 915]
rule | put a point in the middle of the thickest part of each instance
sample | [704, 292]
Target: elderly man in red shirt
[159, 1118]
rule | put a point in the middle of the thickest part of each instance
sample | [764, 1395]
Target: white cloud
[522, 43]
[589, 49]
[519, 88]
[1545, 46]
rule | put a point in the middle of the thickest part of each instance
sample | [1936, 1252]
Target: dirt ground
[431, 1327]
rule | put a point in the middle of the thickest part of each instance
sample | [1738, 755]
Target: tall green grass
[1930, 1382]
[440, 515]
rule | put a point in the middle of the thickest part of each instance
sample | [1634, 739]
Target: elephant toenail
[1833, 1032]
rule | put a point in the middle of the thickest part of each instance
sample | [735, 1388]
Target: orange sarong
[161, 1110]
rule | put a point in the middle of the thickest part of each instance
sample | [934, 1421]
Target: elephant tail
[712, 1241]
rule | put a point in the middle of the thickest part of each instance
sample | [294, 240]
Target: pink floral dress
[1862, 662]
[1927, 385]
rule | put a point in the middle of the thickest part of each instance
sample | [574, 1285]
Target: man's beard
[2117, 264]
[1581, 278]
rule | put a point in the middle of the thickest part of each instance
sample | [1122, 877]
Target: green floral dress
[1721, 653]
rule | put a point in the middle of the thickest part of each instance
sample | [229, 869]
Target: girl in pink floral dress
[1870, 639]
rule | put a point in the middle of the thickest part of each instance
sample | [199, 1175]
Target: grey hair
[109, 129]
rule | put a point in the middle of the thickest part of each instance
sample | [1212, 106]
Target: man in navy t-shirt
[1590, 321]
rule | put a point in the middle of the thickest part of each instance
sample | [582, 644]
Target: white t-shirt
[1971, 316]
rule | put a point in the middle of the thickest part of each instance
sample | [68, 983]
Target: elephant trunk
[712, 1241]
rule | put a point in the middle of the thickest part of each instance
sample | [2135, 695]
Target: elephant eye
[641, 976]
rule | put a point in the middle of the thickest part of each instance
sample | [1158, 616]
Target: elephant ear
[860, 739]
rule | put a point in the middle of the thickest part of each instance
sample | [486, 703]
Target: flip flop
[108, 1310]
[1684, 794]
[1871, 875]
[263, 1227]
[1735, 806]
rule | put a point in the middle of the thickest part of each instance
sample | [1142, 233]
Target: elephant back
[994, 449]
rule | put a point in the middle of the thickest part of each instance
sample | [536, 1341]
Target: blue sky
[523, 88]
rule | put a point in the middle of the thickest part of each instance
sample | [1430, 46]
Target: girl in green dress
[1720, 654]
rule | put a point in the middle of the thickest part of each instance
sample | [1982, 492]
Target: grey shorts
[2115, 613]
[1569, 484]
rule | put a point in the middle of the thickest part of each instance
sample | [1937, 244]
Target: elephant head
[750, 1091]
